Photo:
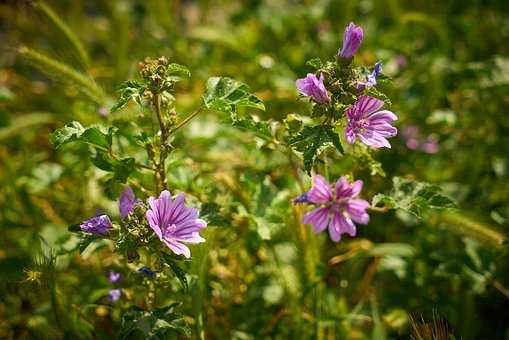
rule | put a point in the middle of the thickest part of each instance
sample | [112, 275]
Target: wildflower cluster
[348, 104]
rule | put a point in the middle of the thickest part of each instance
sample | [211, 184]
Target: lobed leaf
[414, 197]
[226, 95]
[129, 90]
[312, 140]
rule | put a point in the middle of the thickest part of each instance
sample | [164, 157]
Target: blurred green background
[257, 275]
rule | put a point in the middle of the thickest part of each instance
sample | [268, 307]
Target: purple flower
[411, 134]
[103, 111]
[338, 208]
[114, 277]
[114, 295]
[371, 78]
[371, 126]
[431, 145]
[175, 223]
[314, 88]
[352, 39]
[127, 201]
[98, 225]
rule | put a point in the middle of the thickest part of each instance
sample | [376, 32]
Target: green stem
[186, 120]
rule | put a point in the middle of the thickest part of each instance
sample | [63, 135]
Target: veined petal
[153, 222]
[178, 248]
[356, 208]
[335, 227]
[347, 226]
[318, 218]
[320, 192]
[384, 115]
[368, 105]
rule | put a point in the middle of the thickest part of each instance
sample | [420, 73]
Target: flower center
[359, 125]
[170, 230]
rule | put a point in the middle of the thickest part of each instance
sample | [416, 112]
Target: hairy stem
[160, 174]
[186, 120]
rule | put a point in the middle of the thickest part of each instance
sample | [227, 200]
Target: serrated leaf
[160, 323]
[315, 63]
[129, 90]
[74, 131]
[226, 95]
[121, 168]
[177, 72]
[312, 140]
[259, 128]
[414, 197]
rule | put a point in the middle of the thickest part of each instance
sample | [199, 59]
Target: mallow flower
[114, 277]
[127, 201]
[98, 225]
[114, 295]
[352, 39]
[337, 207]
[174, 223]
[371, 78]
[366, 122]
[313, 87]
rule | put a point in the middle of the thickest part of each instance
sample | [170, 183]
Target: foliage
[219, 118]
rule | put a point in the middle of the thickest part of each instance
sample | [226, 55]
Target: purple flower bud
[301, 199]
[352, 39]
[145, 271]
[114, 295]
[98, 225]
[313, 87]
[127, 202]
[103, 111]
[371, 78]
[114, 277]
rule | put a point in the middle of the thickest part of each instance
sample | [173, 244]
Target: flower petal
[356, 208]
[318, 218]
[320, 192]
[368, 105]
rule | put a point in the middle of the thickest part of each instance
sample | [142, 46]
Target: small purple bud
[352, 39]
[127, 201]
[114, 295]
[103, 111]
[371, 78]
[145, 271]
[301, 199]
[313, 87]
[98, 225]
[114, 277]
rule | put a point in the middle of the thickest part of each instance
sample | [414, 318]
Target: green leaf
[226, 95]
[129, 90]
[414, 197]
[179, 272]
[160, 323]
[177, 72]
[315, 63]
[312, 140]
[74, 131]
[262, 128]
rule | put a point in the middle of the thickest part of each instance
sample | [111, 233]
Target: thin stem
[379, 209]
[186, 120]
[160, 174]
